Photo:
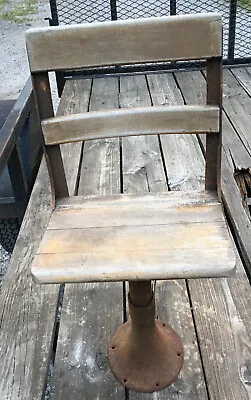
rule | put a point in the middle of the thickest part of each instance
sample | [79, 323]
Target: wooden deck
[212, 316]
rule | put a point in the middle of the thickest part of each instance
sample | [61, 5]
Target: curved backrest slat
[131, 122]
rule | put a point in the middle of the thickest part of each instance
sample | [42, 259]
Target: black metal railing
[236, 15]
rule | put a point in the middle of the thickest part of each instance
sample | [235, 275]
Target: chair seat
[128, 237]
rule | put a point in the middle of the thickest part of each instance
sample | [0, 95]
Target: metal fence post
[54, 13]
[113, 6]
[232, 26]
[172, 7]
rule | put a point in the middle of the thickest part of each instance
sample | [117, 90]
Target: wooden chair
[133, 237]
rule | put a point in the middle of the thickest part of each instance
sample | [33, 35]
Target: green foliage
[246, 4]
[19, 13]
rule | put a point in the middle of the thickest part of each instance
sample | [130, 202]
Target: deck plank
[143, 170]
[74, 100]
[235, 157]
[222, 308]
[28, 310]
[237, 105]
[91, 312]
[243, 75]
[185, 167]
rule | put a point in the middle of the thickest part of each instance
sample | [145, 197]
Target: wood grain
[144, 171]
[236, 154]
[44, 106]
[194, 88]
[222, 307]
[184, 160]
[75, 99]
[170, 208]
[91, 312]
[124, 42]
[131, 122]
[237, 105]
[28, 310]
[243, 75]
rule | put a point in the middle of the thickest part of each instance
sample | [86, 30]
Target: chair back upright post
[43, 99]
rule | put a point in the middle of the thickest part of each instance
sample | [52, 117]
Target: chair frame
[41, 85]
[152, 342]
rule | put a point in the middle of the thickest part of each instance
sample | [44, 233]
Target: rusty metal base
[145, 358]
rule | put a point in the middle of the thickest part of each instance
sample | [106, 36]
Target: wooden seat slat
[112, 242]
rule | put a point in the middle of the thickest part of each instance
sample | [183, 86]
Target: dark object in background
[20, 156]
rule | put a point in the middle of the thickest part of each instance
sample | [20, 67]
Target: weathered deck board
[74, 100]
[221, 316]
[143, 169]
[238, 107]
[91, 312]
[235, 157]
[28, 310]
[243, 75]
[185, 166]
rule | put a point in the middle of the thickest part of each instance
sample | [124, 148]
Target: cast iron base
[145, 359]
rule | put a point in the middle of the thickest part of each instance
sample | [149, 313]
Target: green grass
[4, 2]
[19, 13]
[246, 4]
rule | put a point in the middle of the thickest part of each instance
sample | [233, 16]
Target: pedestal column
[145, 354]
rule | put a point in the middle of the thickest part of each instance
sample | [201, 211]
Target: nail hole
[125, 380]
[163, 324]
[157, 384]
[113, 347]
[179, 354]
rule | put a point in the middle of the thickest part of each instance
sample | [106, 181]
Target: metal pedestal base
[145, 354]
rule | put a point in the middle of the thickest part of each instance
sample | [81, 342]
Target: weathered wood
[124, 210]
[125, 42]
[43, 100]
[143, 170]
[243, 75]
[91, 312]
[236, 212]
[185, 166]
[195, 87]
[222, 311]
[145, 198]
[27, 311]
[74, 100]
[134, 252]
[235, 154]
[131, 122]
[25, 351]
[237, 105]
[101, 157]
